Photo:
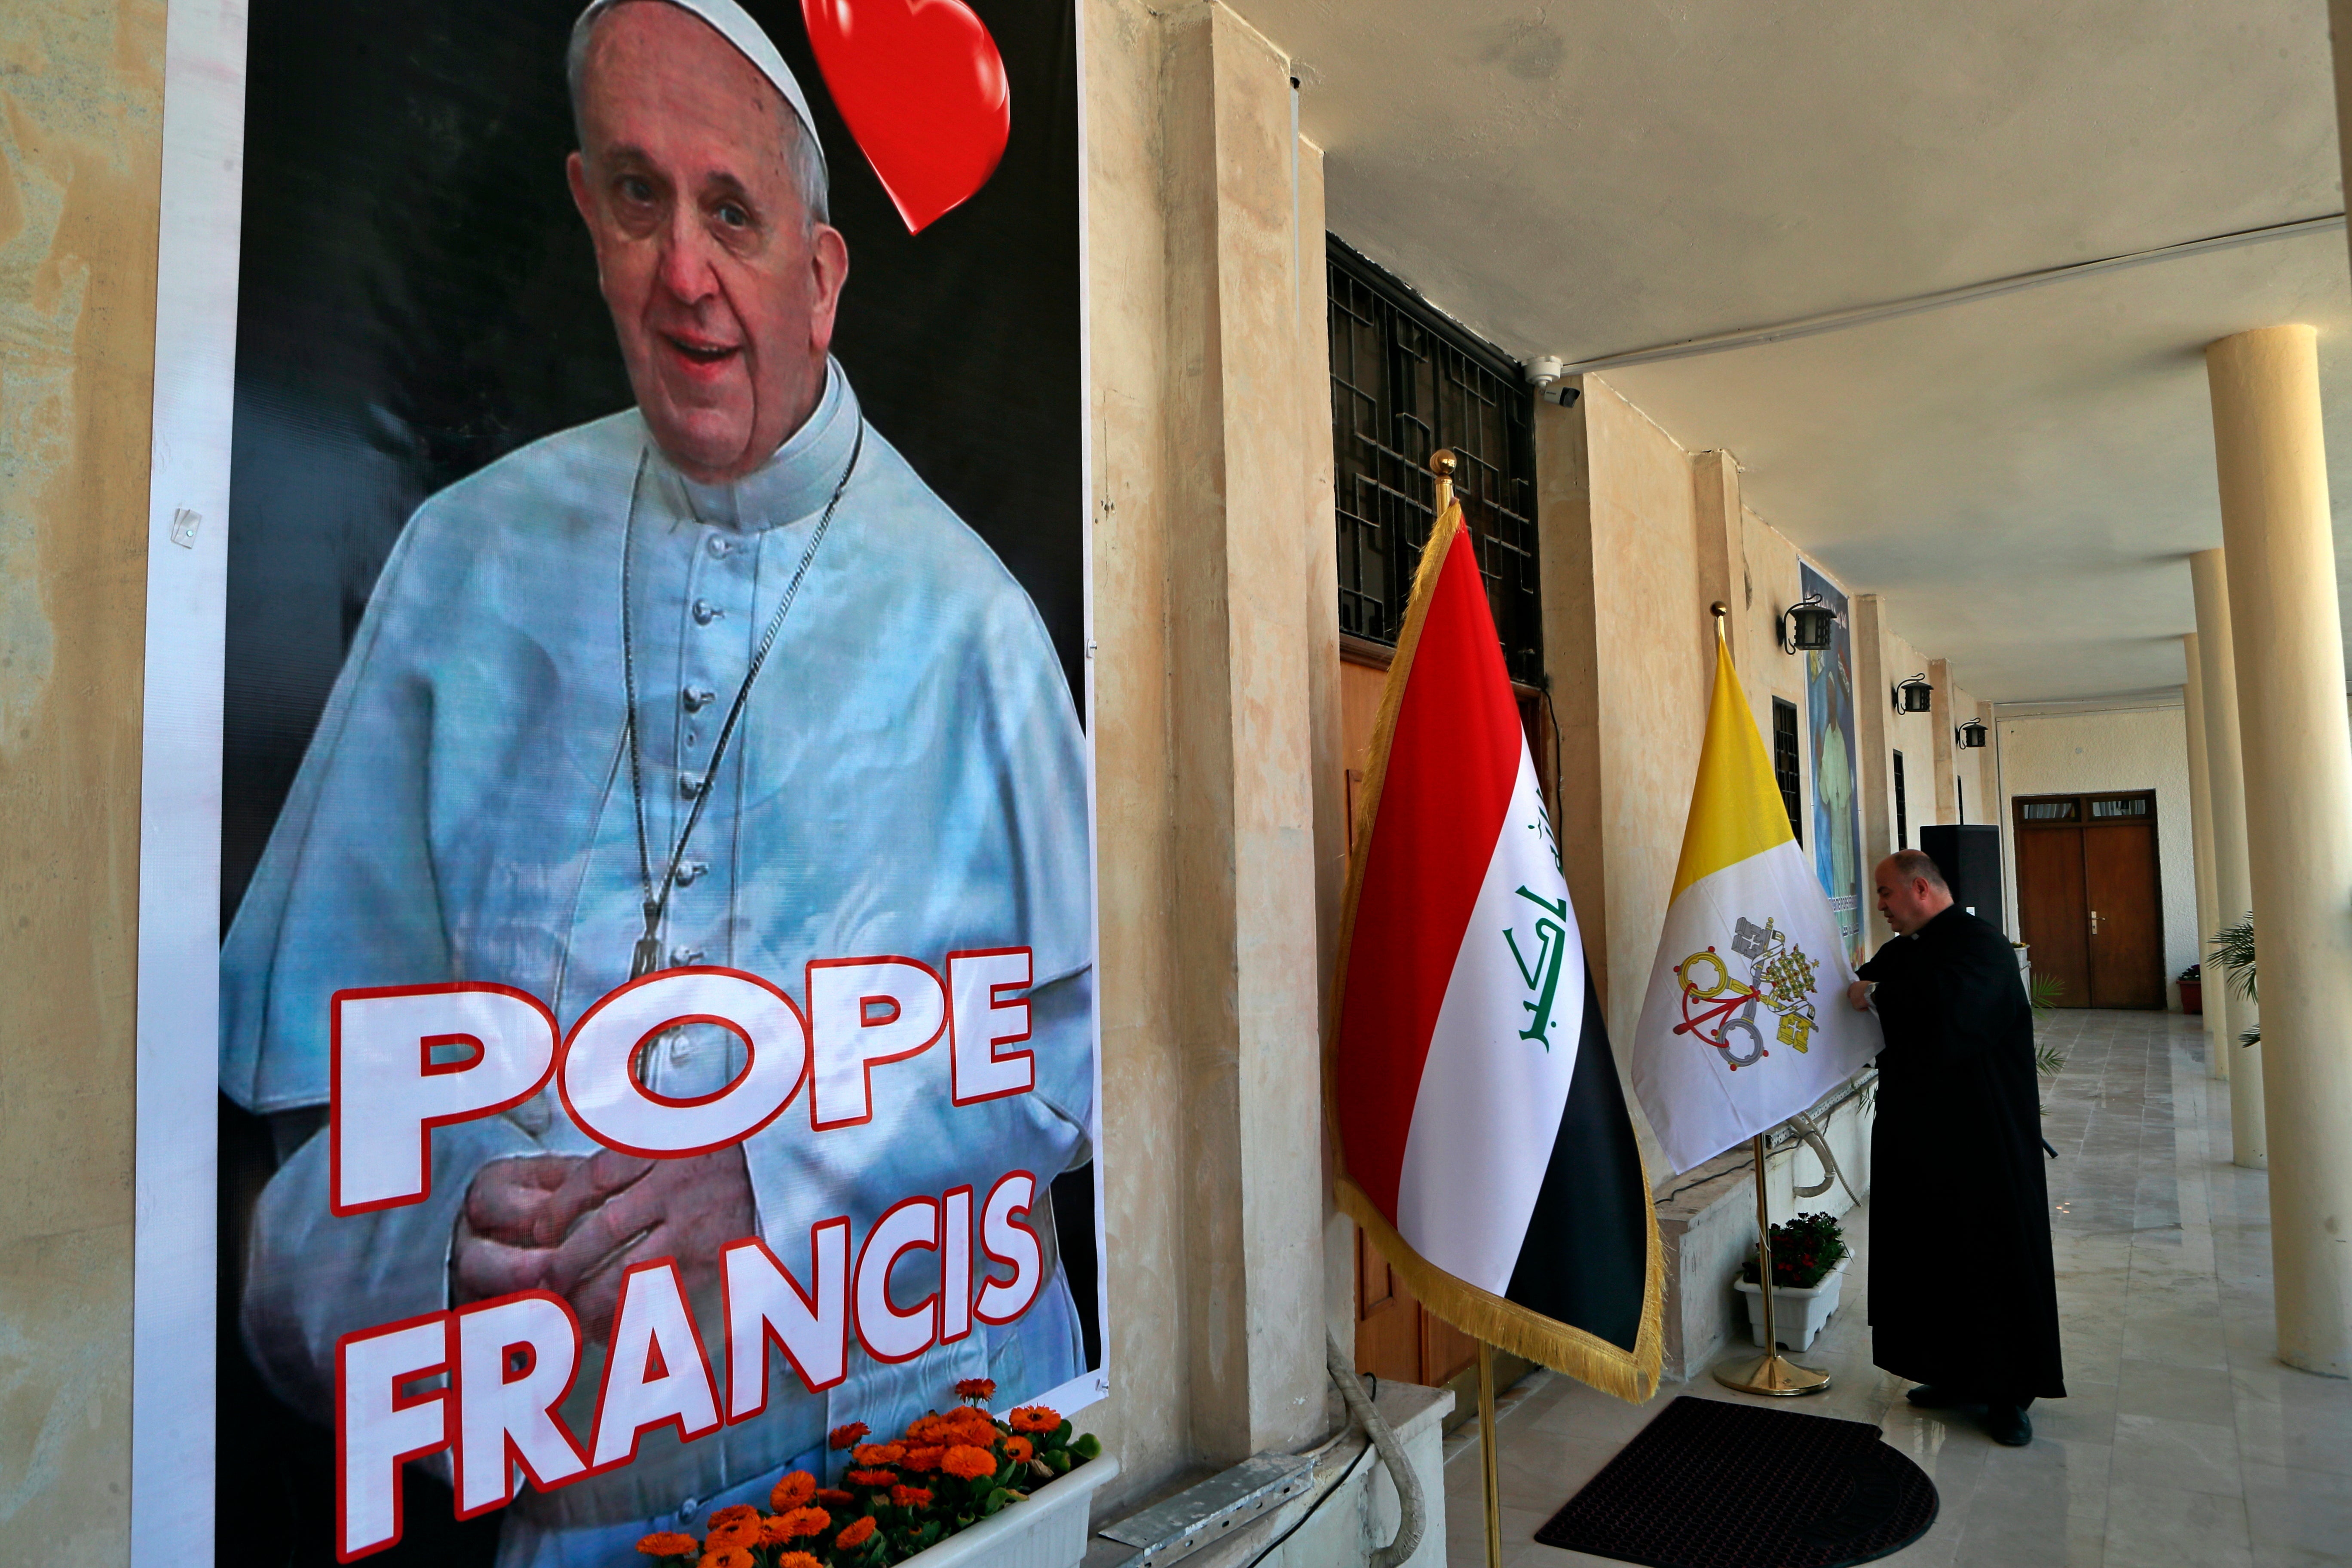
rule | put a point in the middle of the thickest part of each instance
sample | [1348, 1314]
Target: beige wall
[1771, 580]
[1881, 658]
[1629, 643]
[80, 143]
[1639, 537]
[2139, 748]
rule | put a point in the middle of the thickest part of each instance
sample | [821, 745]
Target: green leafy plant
[1804, 1250]
[2043, 993]
[2233, 948]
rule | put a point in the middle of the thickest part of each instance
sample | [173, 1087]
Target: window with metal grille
[1784, 761]
[1902, 808]
[2066, 810]
[1405, 381]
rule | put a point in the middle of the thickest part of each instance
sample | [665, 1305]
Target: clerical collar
[795, 483]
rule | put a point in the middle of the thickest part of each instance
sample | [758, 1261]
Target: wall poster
[655, 924]
[1837, 801]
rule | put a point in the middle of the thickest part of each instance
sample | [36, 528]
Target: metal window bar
[1902, 808]
[1403, 386]
[1785, 765]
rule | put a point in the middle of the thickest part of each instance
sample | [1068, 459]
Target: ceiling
[2019, 476]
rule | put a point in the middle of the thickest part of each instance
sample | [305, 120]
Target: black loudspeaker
[1969, 854]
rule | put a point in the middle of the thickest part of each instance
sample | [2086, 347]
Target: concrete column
[1989, 807]
[1322, 610]
[1246, 950]
[2200, 831]
[2271, 457]
[1571, 614]
[1873, 768]
[2233, 892]
[1945, 717]
[1715, 502]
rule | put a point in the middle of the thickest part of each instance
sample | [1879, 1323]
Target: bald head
[1911, 891]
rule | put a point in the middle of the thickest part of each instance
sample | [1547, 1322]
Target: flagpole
[1770, 1373]
[1442, 464]
[1488, 1458]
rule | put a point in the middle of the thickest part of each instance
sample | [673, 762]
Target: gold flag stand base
[1771, 1373]
[1774, 1373]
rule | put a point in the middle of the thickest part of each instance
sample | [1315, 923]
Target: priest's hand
[619, 1209]
[1858, 993]
[509, 1228]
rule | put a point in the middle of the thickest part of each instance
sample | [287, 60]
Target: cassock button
[718, 546]
[690, 872]
[705, 612]
[682, 955]
[698, 697]
[689, 784]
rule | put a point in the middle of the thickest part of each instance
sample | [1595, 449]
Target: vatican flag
[1746, 1021]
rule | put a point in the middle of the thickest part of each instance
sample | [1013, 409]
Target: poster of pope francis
[656, 1000]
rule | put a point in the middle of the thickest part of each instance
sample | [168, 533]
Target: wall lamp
[1914, 695]
[1971, 735]
[1807, 627]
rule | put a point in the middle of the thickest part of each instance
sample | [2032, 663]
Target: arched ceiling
[2020, 476]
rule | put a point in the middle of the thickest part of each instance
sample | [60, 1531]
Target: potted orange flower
[943, 1491]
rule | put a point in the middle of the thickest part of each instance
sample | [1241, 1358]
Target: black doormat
[1711, 1484]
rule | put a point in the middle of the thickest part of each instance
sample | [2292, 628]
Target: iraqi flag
[1482, 1139]
[1746, 1021]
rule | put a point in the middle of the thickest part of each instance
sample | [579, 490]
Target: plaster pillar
[2200, 831]
[1943, 715]
[1243, 657]
[2233, 892]
[1715, 500]
[1874, 766]
[1571, 614]
[1322, 611]
[2271, 457]
[1988, 807]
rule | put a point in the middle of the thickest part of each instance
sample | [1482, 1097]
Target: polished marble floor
[2185, 1444]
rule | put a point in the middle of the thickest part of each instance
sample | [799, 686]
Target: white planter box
[1797, 1314]
[1048, 1531]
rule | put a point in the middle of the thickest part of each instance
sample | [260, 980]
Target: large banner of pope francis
[656, 1023]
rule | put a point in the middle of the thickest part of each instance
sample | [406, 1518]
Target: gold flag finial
[1442, 464]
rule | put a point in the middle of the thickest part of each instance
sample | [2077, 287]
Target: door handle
[2095, 922]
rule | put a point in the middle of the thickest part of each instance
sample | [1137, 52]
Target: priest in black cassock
[1963, 1294]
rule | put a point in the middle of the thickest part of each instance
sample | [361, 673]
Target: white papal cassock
[909, 779]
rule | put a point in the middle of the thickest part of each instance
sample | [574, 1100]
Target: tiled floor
[2186, 1444]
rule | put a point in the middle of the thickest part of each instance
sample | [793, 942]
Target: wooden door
[2053, 917]
[2127, 935]
[2089, 901]
[1388, 1319]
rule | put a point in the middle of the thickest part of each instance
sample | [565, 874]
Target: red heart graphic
[923, 89]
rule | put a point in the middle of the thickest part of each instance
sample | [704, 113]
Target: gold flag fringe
[1630, 1376]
